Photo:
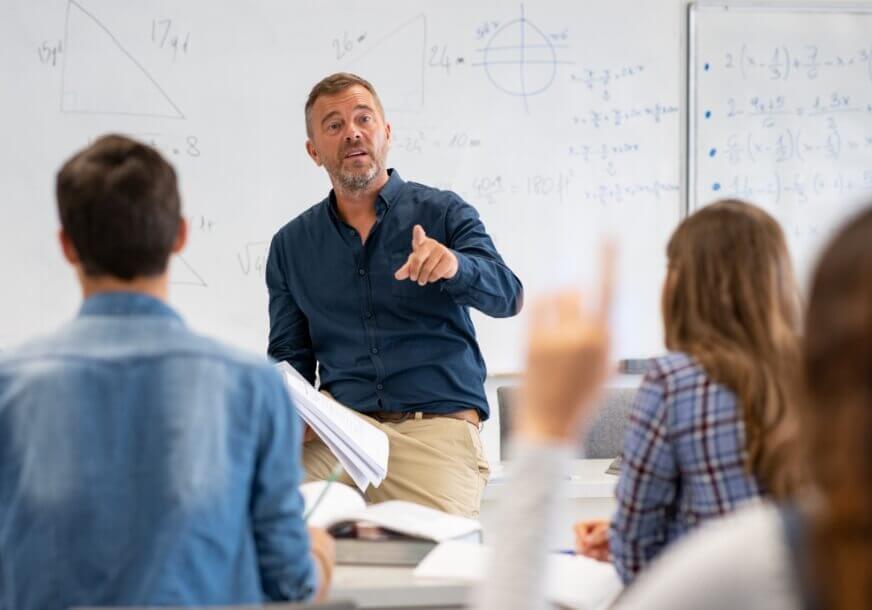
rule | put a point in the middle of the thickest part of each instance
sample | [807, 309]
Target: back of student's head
[119, 206]
[837, 418]
[731, 302]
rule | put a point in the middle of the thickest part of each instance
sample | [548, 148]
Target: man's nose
[352, 133]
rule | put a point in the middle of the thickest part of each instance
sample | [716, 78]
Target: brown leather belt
[393, 417]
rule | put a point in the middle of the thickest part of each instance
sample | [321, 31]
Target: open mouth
[355, 153]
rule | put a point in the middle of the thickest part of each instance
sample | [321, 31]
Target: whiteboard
[781, 114]
[559, 121]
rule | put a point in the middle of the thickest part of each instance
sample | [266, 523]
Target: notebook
[388, 533]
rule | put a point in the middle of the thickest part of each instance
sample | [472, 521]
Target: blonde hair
[731, 301]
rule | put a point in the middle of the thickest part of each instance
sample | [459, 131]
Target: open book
[387, 533]
[360, 447]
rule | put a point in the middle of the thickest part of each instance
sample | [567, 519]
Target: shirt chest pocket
[407, 288]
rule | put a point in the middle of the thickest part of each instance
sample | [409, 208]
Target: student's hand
[567, 362]
[429, 261]
[324, 554]
[592, 539]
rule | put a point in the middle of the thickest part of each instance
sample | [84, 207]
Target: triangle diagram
[101, 77]
[395, 65]
[182, 274]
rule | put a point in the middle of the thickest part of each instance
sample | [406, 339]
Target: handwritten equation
[599, 80]
[494, 188]
[783, 62]
[421, 141]
[618, 117]
[769, 108]
[799, 186]
[617, 193]
[792, 144]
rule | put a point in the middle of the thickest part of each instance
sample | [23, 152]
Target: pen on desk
[564, 551]
[334, 474]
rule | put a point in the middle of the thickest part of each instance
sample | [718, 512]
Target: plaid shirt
[684, 461]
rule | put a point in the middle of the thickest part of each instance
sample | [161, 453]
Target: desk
[588, 493]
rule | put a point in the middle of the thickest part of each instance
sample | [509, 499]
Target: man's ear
[181, 237]
[68, 248]
[313, 153]
[388, 132]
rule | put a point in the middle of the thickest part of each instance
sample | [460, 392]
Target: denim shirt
[383, 344]
[141, 464]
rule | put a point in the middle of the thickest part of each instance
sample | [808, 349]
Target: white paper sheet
[361, 448]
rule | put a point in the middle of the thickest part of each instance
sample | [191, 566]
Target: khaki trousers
[437, 462]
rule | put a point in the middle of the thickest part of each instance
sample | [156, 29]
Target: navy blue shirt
[384, 344]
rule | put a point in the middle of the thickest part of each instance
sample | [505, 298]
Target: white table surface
[587, 479]
[376, 587]
[588, 491]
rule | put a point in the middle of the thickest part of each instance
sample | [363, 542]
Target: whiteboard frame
[693, 9]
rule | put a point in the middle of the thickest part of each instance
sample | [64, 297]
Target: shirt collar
[391, 190]
[126, 304]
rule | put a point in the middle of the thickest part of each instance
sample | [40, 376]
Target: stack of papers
[360, 447]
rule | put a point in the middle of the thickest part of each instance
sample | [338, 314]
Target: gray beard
[352, 182]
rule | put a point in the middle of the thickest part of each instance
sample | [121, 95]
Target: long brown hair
[731, 301]
[837, 418]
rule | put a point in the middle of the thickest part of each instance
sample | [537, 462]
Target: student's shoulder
[33, 350]
[210, 348]
[675, 369]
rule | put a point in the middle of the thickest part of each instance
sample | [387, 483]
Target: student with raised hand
[142, 464]
[567, 362]
[817, 552]
[713, 418]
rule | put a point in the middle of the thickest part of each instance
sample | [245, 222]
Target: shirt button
[361, 272]
[352, 232]
[374, 350]
[379, 387]
[368, 315]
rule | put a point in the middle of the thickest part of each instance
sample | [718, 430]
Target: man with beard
[373, 284]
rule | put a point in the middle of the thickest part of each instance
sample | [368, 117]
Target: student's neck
[357, 209]
[157, 286]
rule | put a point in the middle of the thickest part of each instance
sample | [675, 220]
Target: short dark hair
[337, 83]
[120, 207]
